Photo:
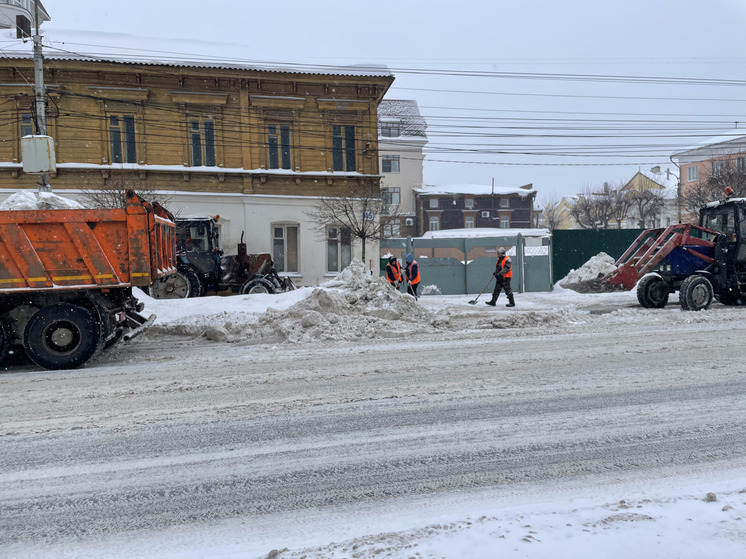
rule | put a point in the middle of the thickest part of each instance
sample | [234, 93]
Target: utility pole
[39, 90]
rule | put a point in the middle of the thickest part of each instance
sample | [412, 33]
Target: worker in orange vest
[503, 273]
[412, 274]
[393, 272]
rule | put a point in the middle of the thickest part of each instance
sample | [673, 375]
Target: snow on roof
[406, 112]
[484, 232]
[736, 136]
[92, 46]
[473, 190]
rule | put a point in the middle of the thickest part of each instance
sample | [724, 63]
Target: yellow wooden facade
[194, 128]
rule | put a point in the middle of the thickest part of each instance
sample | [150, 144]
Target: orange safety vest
[415, 279]
[395, 269]
[499, 266]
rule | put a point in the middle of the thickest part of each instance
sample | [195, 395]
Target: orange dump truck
[66, 278]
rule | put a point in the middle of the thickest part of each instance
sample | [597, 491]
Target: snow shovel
[474, 302]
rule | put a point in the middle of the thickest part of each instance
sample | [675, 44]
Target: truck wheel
[695, 293]
[258, 285]
[4, 345]
[180, 285]
[652, 292]
[61, 336]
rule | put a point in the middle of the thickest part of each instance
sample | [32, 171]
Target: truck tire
[258, 285]
[179, 285]
[695, 293]
[652, 292]
[61, 336]
[4, 345]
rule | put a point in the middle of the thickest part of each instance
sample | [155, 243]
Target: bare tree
[552, 215]
[360, 210]
[649, 205]
[619, 203]
[593, 208]
[712, 186]
[113, 193]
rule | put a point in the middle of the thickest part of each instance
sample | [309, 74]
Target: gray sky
[510, 90]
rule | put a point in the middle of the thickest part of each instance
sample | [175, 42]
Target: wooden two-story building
[256, 144]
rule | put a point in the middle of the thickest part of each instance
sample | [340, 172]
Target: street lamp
[657, 171]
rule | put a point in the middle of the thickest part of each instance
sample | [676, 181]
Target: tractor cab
[198, 247]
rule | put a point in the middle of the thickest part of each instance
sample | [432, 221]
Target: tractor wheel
[652, 292]
[695, 293]
[61, 336]
[730, 298]
[258, 285]
[180, 285]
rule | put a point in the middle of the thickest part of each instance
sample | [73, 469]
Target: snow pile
[351, 306]
[30, 200]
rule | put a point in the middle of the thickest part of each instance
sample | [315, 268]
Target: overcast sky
[511, 90]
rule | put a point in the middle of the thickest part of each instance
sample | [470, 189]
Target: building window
[27, 124]
[717, 168]
[434, 223]
[469, 203]
[391, 196]
[122, 139]
[741, 164]
[285, 247]
[390, 129]
[202, 141]
[392, 229]
[504, 223]
[434, 203]
[278, 144]
[692, 174]
[343, 148]
[469, 222]
[504, 202]
[338, 248]
[390, 164]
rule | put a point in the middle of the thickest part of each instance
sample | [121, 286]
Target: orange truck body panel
[85, 249]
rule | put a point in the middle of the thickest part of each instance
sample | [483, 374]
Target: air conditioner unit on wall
[486, 213]
[409, 221]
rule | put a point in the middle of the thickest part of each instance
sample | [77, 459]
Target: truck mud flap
[137, 325]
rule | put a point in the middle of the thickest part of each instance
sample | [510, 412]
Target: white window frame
[391, 195]
[718, 166]
[692, 173]
[504, 222]
[433, 223]
[469, 222]
[504, 202]
[338, 238]
[390, 129]
[433, 205]
[289, 262]
[469, 203]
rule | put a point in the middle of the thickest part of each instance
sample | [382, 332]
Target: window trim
[282, 158]
[343, 244]
[122, 129]
[207, 137]
[344, 148]
[504, 202]
[394, 164]
[433, 220]
[433, 203]
[692, 173]
[284, 265]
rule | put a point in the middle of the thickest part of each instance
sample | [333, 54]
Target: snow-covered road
[170, 432]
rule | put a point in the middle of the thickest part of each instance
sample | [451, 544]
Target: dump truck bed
[80, 249]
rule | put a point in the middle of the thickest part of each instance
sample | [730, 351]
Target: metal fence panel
[573, 248]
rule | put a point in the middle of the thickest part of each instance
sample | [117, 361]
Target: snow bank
[30, 200]
[351, 306]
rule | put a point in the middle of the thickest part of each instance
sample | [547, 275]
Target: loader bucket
[624, 276]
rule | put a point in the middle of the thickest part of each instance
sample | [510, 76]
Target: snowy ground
[351, 422]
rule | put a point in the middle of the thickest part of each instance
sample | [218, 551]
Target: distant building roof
[407, 113]
[475, 190]
[734, 139]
